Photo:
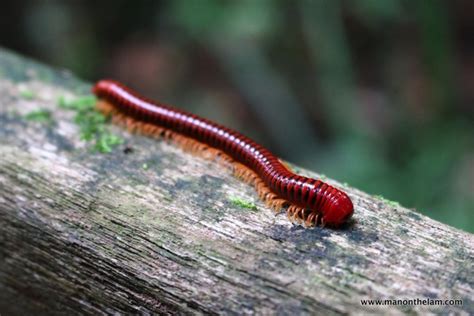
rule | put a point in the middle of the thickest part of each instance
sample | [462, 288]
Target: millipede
[307, 201]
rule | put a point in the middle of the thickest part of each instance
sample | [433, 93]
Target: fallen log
[143, 227]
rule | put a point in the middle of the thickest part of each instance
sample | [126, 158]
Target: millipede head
[338, 211]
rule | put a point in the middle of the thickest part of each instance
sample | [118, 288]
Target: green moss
[27, 94]
[92, 124]
[242, 203]
[386, 201]
[40, 115]
[106, 142]
[78, 104]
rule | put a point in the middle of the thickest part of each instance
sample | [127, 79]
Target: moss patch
[242, 203]
[40, 115]
[386, 201]
[92, 124]
[27, 94]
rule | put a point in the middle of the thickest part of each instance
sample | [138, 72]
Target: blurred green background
[378, 94]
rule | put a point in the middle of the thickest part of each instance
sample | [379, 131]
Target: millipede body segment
[307, 200]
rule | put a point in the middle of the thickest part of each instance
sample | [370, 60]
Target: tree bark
[148, 228]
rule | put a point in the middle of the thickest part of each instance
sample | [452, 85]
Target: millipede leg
[311, 220]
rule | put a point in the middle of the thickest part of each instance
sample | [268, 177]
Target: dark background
[378, 94]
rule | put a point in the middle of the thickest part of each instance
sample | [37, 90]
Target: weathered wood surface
[95, 233]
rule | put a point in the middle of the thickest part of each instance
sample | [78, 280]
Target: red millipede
[307, 200]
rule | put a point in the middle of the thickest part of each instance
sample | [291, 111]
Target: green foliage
[375, 12]
[92, 124]
[214, 20]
